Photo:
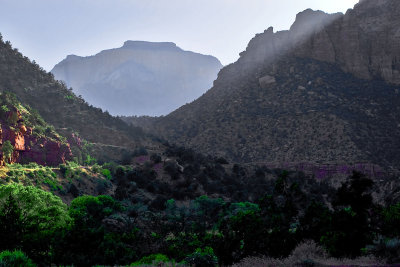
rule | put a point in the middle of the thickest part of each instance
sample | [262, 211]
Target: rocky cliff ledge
[364, 42]
[28, 145]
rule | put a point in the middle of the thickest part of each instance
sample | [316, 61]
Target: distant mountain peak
[73, 57]
[150, 45]
[313, 19]
[139, 78]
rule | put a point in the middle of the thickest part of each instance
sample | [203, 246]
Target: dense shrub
[15, 258]
[153, 259]
[30, 219]
[202, 258]
[99, 230]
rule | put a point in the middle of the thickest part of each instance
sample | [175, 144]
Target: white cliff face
[140, 78]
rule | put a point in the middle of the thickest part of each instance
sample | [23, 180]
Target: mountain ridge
[60, 107]
[139, 78]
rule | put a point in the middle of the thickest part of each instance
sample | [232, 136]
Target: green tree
[202, 258]
[316, 221]
[351, 229]
[15, 258]
[243, 230]
[30, 218]
[8, 150]
[391, 220]
[90, 241]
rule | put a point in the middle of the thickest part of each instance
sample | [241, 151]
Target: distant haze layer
[140, 78]
[47, 30]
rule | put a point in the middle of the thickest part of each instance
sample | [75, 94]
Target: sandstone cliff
[140, 78]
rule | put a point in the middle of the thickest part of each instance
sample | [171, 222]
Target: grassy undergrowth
[55, 179]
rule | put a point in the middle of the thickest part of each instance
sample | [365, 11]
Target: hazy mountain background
[140, 78]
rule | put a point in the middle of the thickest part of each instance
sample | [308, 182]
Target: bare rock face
[45, 152]
[269, 46]
[266, 80]
[364, 42]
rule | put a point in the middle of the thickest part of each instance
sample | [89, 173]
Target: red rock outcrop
[30, 148]
[45, 151]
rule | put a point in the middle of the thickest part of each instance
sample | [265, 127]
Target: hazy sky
[48, 30]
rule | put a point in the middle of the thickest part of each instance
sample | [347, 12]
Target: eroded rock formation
[364, 42]
[28, 147]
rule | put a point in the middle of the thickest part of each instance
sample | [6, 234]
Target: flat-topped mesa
[150, 45]
[72, 57]
[139, 78]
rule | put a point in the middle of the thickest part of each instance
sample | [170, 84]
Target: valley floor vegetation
[256, 222]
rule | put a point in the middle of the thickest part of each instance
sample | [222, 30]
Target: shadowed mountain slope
[325, 91]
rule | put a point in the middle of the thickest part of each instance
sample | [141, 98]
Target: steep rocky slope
[28, 137]
[140, 78]
[325, 91]
[365, 41]
[60, 107]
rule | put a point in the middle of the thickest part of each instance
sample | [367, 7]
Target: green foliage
[4, 108]
[30, 218]
[201, 231]
[243, 208]
[31, 118]
[89, 236]
[391, 220]
[316, 221]
[153, 259]
[350, 230]
[182, 243]
[71, 170]
[106, 173]
[34, 174]
[15, 258]
[8, 150]
[202, 258]
[87, 210]
[90, 160]
[242, 231]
